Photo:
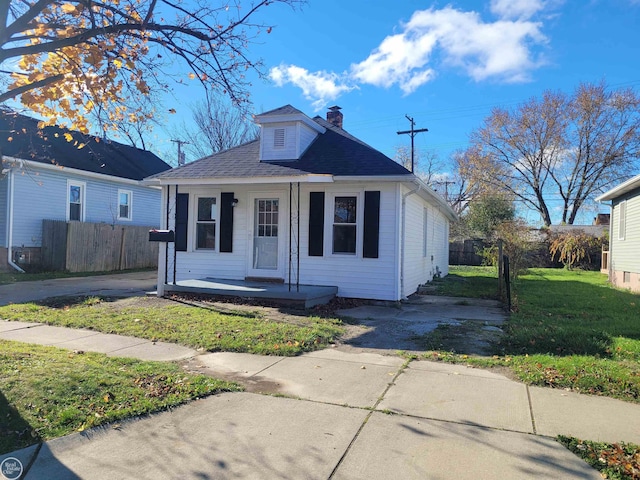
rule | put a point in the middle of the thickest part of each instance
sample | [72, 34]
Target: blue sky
[446, 64]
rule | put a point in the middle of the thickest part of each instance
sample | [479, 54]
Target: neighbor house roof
[620, 190]
[334, 152]
[21, 138]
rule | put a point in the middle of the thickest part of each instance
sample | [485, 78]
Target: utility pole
[180, 154]
[446, 188]
[412, 133]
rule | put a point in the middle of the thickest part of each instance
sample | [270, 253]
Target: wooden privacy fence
[96, 247]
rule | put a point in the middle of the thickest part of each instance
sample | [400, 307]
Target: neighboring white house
[304, 203]
[624, 234]
[46, 177]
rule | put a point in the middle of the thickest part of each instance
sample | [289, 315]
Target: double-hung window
[345, 216]
[206, 223]
[622, 220]
[75, 201]
[124, 204]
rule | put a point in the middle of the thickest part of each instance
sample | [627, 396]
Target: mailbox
[161, 236]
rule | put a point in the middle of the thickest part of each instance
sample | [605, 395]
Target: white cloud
[319, 87]
[517, 9]
[501, 50]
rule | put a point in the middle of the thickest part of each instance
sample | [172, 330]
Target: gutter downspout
[10, 222]
[403, 237]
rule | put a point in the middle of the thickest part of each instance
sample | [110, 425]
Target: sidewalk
[338, 415]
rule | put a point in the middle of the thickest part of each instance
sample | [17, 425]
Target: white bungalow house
[304, 204]
[44, 176]
[624, 234]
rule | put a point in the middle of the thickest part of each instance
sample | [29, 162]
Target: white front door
[267, 235]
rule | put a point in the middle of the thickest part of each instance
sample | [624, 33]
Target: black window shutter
[226, 222]
[316, 224]
[182, 220]
[371, 224]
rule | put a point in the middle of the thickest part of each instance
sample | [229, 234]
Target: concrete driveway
[117, 285]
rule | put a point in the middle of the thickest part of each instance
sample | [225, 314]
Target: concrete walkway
[339, 415]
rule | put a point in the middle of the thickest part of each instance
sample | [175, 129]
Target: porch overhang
[240, 180]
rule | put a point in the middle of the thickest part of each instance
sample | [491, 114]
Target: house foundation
[626, 280]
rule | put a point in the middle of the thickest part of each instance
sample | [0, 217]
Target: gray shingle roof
[335, 152]
[21, 138]
[285, 110]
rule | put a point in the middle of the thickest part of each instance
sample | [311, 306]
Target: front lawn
[570, 330]
[46, 392]
[197, 325]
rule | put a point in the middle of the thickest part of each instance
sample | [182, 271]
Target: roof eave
[70, 170]
[239, 180]
[620, 190]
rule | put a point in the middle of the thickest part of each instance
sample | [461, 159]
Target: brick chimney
[334, 116]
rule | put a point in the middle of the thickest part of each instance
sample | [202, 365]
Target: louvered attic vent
[278, 138]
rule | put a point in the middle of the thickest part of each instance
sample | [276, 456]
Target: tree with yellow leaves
[74, 59]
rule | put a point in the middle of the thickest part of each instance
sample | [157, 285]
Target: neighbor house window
[75, 201]
[622, 221]
[206, 223]
[278, 138]
[124, 204]
[344, 224]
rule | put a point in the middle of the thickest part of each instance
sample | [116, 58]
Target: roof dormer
[285, 133]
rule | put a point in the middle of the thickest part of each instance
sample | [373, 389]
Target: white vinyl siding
[420, 264]
[355, 276]
[285, 141]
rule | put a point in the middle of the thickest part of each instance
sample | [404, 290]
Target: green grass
[199, 327]
[46, 392]
[616, 461]
[570, 330]
[474, 282]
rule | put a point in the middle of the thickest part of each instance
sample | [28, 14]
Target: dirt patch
[253, 384]
[465, 337]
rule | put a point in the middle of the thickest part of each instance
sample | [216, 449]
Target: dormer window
[278, 138]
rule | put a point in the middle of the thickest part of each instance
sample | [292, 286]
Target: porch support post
[166, 245]
[290, 231]
[175, 250]
[298, 243]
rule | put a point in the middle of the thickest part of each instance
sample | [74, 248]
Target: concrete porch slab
[303, 295]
